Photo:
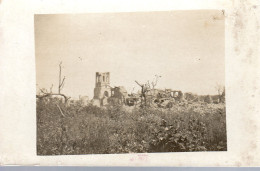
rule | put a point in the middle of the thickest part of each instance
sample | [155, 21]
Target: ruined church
[102, 87]
[104, 93]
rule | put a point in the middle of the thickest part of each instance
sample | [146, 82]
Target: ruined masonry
[102, 88]
[104, 94]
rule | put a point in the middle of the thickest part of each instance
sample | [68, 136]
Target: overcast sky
[185, 47]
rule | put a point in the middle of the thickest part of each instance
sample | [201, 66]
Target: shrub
[121, 129]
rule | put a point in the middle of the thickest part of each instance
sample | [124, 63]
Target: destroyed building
[102, 87]
[104, 93]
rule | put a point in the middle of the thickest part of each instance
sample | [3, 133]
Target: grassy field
[121, 129]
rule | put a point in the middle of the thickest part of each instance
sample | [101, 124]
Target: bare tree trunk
[61, 84]
[143, 95]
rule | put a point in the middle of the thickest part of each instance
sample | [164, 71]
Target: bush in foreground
[121, 129]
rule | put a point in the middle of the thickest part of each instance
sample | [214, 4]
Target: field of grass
[121, 129]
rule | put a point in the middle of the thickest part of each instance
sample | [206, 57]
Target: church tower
[102, 88]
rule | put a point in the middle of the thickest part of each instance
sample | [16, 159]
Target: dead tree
[61, 82]
[155, 81]
[45, 93]
[48, 94]
[144, 90]
[153, 84]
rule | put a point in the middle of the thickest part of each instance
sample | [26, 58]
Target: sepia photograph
[130, 82]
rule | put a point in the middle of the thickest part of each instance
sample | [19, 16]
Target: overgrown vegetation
[88, 129]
